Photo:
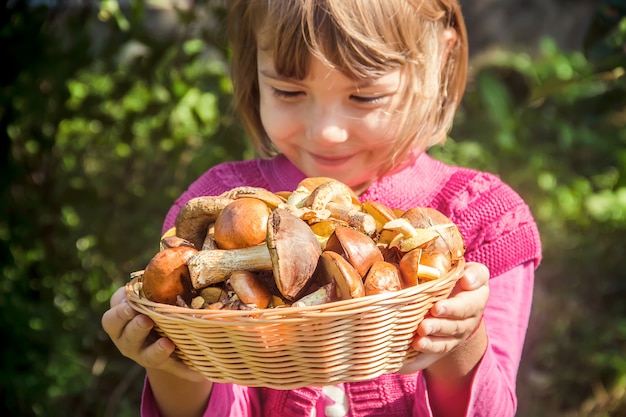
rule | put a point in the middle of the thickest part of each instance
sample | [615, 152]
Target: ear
[448, 39]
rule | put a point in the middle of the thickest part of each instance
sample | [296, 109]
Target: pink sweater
[499, 231]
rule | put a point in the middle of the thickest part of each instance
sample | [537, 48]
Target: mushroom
[331, 191]
[339, 200]
[196, 216]
[354, 217]
[291, 251]
[408, 237]
[324, 228]
[381, 213]
[450, 239]
[209, 239]
[166, 277]
[437, 260]
[383, 277]
[174, 241]
[241, 223]
[358, 249]
[333, 267]
[213, 294]
[324, 294]
[298, 197]
[412, 268]
[250, 289]
[272, 200]
[294, 251]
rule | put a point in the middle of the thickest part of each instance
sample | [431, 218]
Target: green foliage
[105, 122]
[554, 127]
[105, 125]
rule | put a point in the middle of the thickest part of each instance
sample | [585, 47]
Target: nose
[327, 126]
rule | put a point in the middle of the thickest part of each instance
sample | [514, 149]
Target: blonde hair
[363, 39]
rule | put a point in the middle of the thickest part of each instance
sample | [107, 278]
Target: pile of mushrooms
[250, 248]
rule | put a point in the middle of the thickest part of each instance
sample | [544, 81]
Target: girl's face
[327, 124]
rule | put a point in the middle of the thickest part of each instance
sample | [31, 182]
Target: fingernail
[128, 310]
[144, 322]
[440, 310]
[161, 343]
[471, 279]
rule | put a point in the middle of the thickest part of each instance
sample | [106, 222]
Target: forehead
[322, 74]
[359, 46]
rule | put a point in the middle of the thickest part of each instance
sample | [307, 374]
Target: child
[357, 90]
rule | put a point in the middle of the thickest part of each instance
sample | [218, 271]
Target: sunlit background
[110, 109]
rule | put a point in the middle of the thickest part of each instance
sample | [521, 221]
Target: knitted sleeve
[497, 225]
[506, 318]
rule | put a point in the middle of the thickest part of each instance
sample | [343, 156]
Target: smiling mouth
[330, 160]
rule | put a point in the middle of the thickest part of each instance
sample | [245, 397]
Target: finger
[160, 355]
[118, 296]
[435, 345]
[132, 339]
[115, 319]
[463, 305]
[475, 276]
[156, 354]
[431, 327]
[422, 361]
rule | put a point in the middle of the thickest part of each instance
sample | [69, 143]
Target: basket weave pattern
[293, 347]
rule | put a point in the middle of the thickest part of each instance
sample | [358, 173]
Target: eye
[285, 94]
[367, 99]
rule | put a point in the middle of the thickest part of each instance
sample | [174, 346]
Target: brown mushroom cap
[450, 241]
[167, 276]
[250, 288]
[381, 213]
[174, 241]
[383, 277]
[358, 249]
[196, 216]
[333, 267]
[419, 265]
[241, 224]
[291, 251]
[294, 250]
[271, 199]
[437, 260]
[408, 266]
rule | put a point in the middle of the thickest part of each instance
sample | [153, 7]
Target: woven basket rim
[341, 307]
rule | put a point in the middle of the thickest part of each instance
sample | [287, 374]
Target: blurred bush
[105, 121]
[553, 125]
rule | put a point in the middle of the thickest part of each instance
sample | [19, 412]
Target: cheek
[279, 123]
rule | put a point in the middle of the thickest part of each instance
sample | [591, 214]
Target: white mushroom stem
[212, 266]
[334, 191]
[408, 237]
[354, 216]
[427, 272]
[298, 197]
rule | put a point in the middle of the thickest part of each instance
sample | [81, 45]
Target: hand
[132, 334]
[452, 321]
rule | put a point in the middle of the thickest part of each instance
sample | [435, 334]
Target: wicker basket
[293, 347]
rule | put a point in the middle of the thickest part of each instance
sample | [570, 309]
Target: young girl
[358, 90]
